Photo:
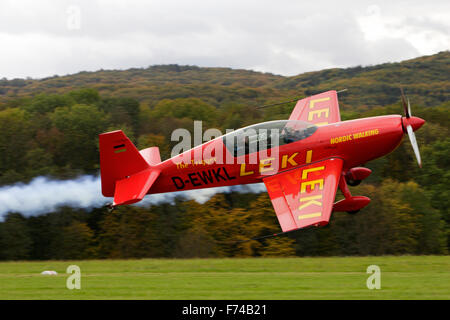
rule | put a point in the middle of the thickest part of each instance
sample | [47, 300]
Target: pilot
[300, 134]
[288, 136]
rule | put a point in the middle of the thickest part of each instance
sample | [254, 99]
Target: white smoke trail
[44, 195]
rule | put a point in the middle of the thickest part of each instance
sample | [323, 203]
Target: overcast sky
[40, 38]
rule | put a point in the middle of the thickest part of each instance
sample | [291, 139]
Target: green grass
[404, 277]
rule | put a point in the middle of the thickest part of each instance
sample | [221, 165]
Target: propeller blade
[405, 105]
[412, 138]
[409, 108]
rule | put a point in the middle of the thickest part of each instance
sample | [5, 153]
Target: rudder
[119, 159]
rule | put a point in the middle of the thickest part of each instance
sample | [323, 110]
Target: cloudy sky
[40, 38]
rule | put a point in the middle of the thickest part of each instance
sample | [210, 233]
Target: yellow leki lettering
[311, 201]
[285, 160]
[312, 184]
[310, 215]
[264, 167]
[312, 102]
[243, 172]
[306, 171]
[318, 113]
[308, 156]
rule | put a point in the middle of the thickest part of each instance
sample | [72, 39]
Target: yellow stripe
[311, 215]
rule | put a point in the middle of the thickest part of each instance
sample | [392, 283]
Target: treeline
[400, 220]
[426, 80]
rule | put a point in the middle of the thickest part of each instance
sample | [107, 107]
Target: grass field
[405, 277]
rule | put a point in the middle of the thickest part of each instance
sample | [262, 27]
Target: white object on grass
[49, 272]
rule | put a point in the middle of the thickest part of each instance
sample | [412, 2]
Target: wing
[304, 196]
[320, 109]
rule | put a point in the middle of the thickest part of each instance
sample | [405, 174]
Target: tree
[15, 240]
[195, 243]
[77, 239]
[87, 96]
[80, 126]
[14, 139]
[44, 103]
[191, 108]
[279, 247]
[122, 111]
[129, 233]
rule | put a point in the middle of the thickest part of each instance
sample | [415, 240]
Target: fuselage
[213, 164]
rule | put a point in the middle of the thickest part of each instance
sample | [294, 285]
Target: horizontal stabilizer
[135, 187]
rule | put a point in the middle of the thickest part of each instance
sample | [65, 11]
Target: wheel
[353, 212]
[110, 207]
[353, 183]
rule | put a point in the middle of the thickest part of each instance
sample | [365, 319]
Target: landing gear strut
[344, 188]
[351, 204]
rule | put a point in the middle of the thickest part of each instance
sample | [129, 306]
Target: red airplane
[302, 161]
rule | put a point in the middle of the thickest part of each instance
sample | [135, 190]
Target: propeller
[412, 138]
[406, 106]
[411, 124]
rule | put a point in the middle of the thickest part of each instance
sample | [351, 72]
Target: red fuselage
[355, 142]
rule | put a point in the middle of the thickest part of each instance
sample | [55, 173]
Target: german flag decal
[120, 148]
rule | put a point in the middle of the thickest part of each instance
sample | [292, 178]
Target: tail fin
[125, 172]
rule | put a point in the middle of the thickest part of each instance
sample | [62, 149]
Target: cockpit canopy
[267, 135]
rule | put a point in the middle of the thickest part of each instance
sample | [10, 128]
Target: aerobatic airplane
[302, 161]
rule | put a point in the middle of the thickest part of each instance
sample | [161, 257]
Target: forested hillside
[426, 79]
[49, 127]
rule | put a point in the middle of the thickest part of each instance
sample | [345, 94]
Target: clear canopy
[267, 135]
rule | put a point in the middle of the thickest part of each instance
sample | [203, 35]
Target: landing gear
[110, 207]
[353, 183]
[354, 176]
[351, 204]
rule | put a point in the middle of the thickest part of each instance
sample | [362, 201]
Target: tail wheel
[110, 207]
[353, 183]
